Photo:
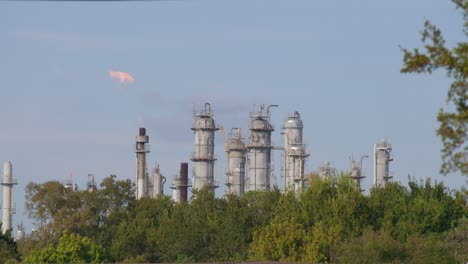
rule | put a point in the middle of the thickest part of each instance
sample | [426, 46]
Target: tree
[8, 247]
[72, 248]
[453, 128]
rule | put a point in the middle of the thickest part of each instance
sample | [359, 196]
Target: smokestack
[180, 185]
[183, 181]
[7, 183]
[141, 148]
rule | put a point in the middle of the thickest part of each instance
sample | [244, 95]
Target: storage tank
[203, 168]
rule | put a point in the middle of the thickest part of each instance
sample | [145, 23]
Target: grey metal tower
[8, 209]
[356, 171]
[204, 129]
[295, 153]
[260, 149]
[141, 148]
[326, 171]
[382, 159]
[157, 182]
[236, 154]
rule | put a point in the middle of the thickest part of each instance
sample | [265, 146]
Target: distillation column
[295, 153]
[158, 181]
[203, 157]
[236, 153]
[382, 159]
[141, 148]
[355, 172]
[7, 183]
[260, 149]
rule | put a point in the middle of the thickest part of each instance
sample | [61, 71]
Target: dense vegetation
[331, 221]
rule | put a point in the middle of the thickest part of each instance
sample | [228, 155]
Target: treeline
[331, 221]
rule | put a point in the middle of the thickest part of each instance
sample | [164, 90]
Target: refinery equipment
[20, 232]
[8, 209]
[356, 171]
[259, 148]
[141, 148]
[157, 182]
[91, 185]
[180, 185]
[203, 168]
[295, 153]
[326, 171]
[236, 154]
[382, 158]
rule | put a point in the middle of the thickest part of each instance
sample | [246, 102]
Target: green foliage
[453, 128]
[8, 248]
[71, 248]
[330, 221]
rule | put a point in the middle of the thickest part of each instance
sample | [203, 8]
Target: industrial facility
[249, 164]
[248, 168]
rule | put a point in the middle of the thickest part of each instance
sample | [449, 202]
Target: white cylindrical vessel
[203, 157]
[7, 183]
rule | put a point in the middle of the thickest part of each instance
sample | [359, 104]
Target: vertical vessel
[203, 168]
[295, 153]
[236, 154]
[355, 172]
[7, 183]
[259, 148]
[382, 159]
[141, 148]
[158, 181]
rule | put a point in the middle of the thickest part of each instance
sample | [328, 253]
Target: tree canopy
[331, 221]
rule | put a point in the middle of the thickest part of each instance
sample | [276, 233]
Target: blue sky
[336, 62]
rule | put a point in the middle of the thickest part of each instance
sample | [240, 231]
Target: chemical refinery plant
[249, 163]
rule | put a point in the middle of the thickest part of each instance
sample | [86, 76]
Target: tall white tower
[203, 157]
[382, 159]
[295, 153]
[158, 181]
[141, 148]
[7, 183]
[236, 153]
[260, 149]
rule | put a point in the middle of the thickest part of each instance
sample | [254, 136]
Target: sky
[336, 62]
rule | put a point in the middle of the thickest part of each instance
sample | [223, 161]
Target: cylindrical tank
[236, 163]
[7, 183]
[203, 157]
[295, 153]
[382, 159]
[260, 150]
[141, 149]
